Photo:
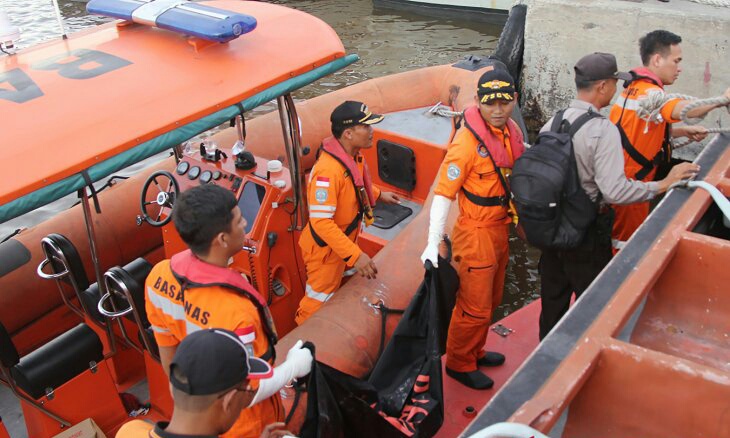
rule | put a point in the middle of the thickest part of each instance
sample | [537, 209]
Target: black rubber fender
[511, 44]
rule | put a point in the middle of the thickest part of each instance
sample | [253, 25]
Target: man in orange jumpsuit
[476, 168]
[196, 289]
[341, 195]
[647, 143]
[211, 380]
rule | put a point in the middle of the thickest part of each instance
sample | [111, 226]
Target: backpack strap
[582, 120]
[557, 121]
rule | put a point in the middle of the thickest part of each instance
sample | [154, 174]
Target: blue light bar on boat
[178, 16]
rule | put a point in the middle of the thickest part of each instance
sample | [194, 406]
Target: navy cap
[214, 360]
[352, 113]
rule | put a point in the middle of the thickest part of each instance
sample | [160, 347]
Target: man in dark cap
[476, 168]
[210, 376]
[341, 195]
[599, 161]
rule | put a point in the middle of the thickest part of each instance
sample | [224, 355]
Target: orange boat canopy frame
[80, 109]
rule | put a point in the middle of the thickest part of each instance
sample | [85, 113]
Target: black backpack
[554, 210]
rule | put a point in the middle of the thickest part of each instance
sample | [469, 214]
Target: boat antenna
[60, 20]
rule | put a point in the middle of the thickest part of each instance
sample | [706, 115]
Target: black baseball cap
[598, 66]
[496, 84]
[214, 360]
[353, 113]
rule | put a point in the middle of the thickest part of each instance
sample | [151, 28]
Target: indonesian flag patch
[322, 181]
[246, 334]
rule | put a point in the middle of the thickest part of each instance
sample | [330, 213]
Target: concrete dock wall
[559, 32]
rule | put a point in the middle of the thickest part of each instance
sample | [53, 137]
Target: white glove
[300, 360]
[298, 364]
[439, 212]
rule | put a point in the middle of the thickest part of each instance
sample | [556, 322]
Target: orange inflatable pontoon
[129, 92]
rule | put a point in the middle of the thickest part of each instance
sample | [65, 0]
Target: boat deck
[516, 346]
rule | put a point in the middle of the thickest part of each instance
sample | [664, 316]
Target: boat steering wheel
[162, 202]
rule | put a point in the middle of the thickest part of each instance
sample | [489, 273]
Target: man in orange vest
[341, 195]
[476, 168]
[211, 375]
[647, 143]
[196, 289]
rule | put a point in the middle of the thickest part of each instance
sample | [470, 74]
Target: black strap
[646, 164]
[90, 184]
[497, 169]
[384, 312]
[582, 120]
[350, 228]
[485, 201]
[298, 389]
[358, 217]
[266, 321]
[557, 121]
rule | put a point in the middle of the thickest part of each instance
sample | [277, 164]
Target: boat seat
[71, 254]
[53, 364]
[132, 277]
[136, 273]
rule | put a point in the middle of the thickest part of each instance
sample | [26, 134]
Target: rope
[650, 107]
[720, 3]
[444, 111]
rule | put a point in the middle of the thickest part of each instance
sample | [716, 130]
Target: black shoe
[472, 379]
[491, 359]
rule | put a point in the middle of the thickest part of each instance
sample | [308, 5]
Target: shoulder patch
[453, 171]
[320, 195]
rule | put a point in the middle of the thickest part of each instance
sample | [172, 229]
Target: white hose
[508, 430]
[720, 199]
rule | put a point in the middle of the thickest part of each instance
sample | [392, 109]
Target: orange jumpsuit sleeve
[325, 188]
[667, 110]
[453, 171]
[376, 192]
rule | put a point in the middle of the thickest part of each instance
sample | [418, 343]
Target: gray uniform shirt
[600, 160]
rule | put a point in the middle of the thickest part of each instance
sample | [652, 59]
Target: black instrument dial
[194, 172]
[182, 167]
[205, 177]
[216, 175]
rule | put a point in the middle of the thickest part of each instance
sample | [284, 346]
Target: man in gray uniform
[600, 162]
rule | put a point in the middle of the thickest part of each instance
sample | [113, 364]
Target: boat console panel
[198, 172]
[265, 200]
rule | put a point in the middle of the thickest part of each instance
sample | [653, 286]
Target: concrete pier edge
[559, 32]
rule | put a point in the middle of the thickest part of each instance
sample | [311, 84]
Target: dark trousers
[564, 272]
